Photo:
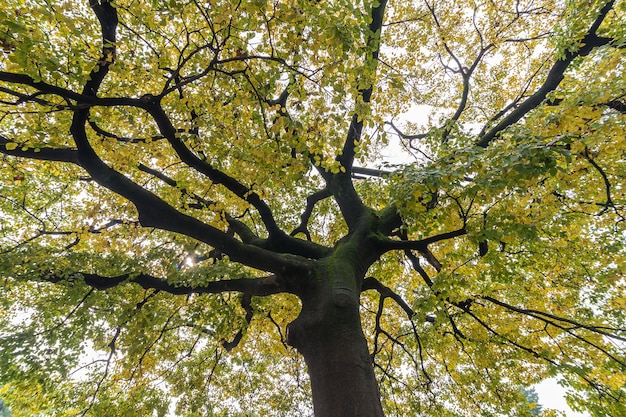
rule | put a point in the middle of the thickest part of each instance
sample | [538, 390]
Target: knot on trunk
[343, 297]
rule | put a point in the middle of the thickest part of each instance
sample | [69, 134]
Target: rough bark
[329, 336]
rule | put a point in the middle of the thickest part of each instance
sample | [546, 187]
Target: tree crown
[173, 176]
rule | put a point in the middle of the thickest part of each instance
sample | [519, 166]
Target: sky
[552, 395]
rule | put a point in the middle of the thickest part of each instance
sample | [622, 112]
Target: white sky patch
[552, 395]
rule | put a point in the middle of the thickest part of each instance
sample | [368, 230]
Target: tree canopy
[216, 208]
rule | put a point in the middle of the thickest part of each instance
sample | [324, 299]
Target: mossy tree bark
[329, 335]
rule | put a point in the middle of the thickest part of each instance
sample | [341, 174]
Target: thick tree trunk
[328, 334]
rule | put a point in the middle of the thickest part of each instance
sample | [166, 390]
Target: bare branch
[293, 246]
[422, 244]
[405, 136]
[308, 211]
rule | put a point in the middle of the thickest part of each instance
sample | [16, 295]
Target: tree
[185, 178]
[5, 411]
[533, 398]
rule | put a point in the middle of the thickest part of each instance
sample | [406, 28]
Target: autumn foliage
[252, 207]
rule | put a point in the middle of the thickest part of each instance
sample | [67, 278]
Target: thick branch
[277, 237]
[42, 154]
[340, 184]
[617, 104]
[154, 212]
[107, 16]
[272, 284]
[293, 246]
[553, 79]
[373, 44]
[216, 176]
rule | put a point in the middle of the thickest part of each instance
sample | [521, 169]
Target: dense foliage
[175, 175]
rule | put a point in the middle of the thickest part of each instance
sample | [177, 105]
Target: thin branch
[283, 339]
[311, 201]
[105, 374]
[542, 356]
[543, 316]
[164, 329]
[124, 139]
[422, 244]
[466, 75]
[404, 135]
[377, 328]
[386, 292]
[371, 172]
[69, 315]
[246, 303]
[607, 184]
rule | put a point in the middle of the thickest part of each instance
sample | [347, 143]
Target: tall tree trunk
[328, 334]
